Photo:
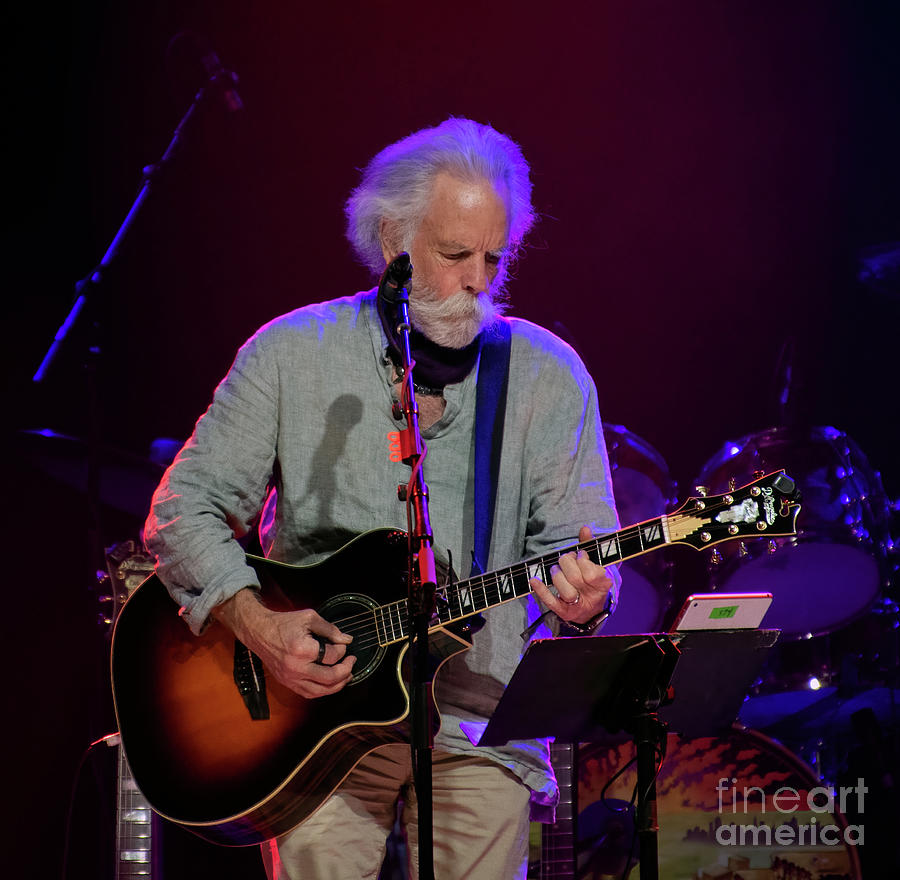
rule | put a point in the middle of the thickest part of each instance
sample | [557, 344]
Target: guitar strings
[394, 615]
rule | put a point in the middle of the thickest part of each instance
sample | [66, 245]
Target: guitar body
[195, 750]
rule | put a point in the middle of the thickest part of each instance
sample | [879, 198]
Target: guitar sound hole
[354, 614]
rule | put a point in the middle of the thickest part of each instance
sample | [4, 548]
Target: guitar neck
[462, 599]
[559, 840]
[134, 857]
[764, 508]
[494, 588]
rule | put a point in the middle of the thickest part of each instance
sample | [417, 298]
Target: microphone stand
[220, 80]
[422, 572]
[87, 289]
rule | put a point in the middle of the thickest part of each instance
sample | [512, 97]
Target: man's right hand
[290, 644]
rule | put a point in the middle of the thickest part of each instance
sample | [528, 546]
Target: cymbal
[126, 481]
[833, 714]
[768, 710]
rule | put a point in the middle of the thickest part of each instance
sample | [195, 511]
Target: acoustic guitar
[127, 567]
[220, 747]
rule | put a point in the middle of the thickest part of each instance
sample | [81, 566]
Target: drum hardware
[643, 489]
[840, 631]
[126, 481]
[806, 680]
[842, 532]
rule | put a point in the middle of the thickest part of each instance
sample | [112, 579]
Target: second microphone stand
[422, 572]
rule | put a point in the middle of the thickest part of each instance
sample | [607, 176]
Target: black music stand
[583, 689]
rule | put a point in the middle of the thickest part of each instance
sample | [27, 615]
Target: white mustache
[454, 321]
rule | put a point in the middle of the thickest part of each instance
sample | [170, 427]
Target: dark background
[707, 175]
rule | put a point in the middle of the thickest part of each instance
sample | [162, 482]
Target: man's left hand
[581, 586]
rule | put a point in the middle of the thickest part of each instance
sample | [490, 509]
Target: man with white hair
[296, 439]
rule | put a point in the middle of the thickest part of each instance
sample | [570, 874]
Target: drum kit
[834, 673]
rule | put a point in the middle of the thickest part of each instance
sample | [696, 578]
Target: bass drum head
[703, 789]
[832, 571]
[643, 490]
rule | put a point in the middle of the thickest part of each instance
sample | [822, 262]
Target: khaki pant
[481, 822]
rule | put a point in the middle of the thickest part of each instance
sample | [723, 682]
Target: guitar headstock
[128, 565]
[765, 508]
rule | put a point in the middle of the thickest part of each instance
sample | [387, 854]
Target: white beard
[455, 321]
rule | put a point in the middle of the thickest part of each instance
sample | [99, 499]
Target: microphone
[220, 78]
[396, 276]
[188, 47]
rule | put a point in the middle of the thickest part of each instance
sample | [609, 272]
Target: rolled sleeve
[215, 489]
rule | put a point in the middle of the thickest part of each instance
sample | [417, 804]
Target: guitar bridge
[250, 678]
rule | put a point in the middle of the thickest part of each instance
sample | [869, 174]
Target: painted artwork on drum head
[736, 806]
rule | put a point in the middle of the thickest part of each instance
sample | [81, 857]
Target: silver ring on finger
[574, 601]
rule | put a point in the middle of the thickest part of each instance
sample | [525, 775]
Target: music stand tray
[577, 689]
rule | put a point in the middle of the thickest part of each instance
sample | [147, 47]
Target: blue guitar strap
[490, 413]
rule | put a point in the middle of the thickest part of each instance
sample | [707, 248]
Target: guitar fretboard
[476, 594]
[559, 840]
[134, 830]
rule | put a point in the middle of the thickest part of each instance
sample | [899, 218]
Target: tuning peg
[743, 552]
[716, 557]
[702, 491]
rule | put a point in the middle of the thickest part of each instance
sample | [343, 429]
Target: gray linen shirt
[304, 416]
